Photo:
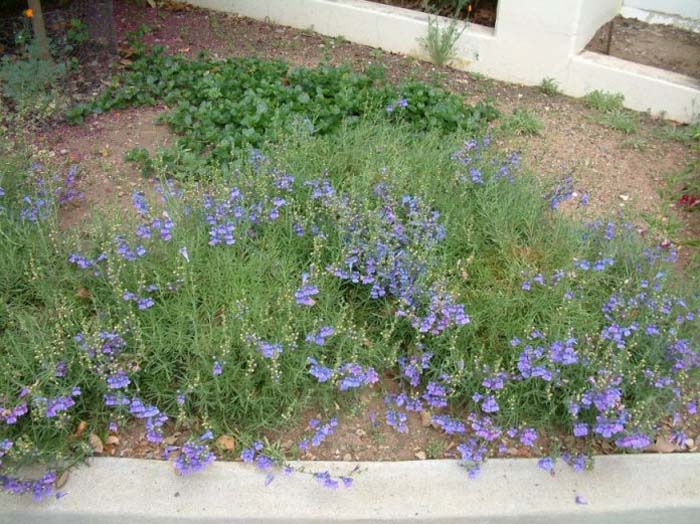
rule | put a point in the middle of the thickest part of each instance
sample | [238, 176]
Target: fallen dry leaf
[96, 443]
[226, 442]
[112, 440]
[425, 419]
[663, 445]
[61, 481]
[82, 293]
[80, 429]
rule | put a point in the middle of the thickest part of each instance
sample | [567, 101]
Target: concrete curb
[620, 489]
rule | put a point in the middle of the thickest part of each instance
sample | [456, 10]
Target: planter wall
[531, 41]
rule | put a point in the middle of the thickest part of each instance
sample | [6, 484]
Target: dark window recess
[483, 12]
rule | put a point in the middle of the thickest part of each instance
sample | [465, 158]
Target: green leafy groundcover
[299, 275]
[219, 107]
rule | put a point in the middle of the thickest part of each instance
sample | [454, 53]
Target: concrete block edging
[622, 489]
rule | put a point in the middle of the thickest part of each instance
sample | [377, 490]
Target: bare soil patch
[98, 148]
[656, 45]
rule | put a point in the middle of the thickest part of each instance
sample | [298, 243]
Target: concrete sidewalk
[633, 489]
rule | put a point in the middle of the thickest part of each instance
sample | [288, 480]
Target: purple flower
[145, 303]
[322, 374]
[636, 441]
[435, 395]
[61, 369]
[323, 432]
[180, 398]
[580, 499]
[397, 420]
[248, 455]
[413, 367]
[269, 350]
[305, 292]
[489, 405]
[449, 425]
[606, 427]
[138, 200]
[354, 375]
[563, 352]
[118, 380]
[546, 464]
[319, 337]
[607, 399]
[193, 457]
[398, 104]
[580, 429]
[495, 382]
[263, 462]
[217, 369]
[326, 480]
[528, 437]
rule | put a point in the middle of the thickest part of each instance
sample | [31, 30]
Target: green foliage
[440, 41]
[221, 107]
[140, 156]
[603, 101]
[619, 119]
[434, 449]
[688, 134]
[610, 111]
[521, 122]
[452, 7]
[30, 83]
[77, 33]
[549, 86]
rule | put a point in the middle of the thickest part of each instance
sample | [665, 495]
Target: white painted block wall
[684, 8]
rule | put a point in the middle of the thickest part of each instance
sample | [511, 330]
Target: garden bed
[179, 316]
[657, 45]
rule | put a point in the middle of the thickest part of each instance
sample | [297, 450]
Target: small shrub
[440, 42]
[550, 86]
[603, 101]
[522, 122]
[31, 83]
[688, 134]
[620, 120]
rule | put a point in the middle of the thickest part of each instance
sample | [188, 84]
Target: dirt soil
[656, 45]
[618, 171]
[98, 148]
[483, 11]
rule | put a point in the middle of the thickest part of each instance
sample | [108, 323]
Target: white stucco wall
[684, 8]
[592, 15]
